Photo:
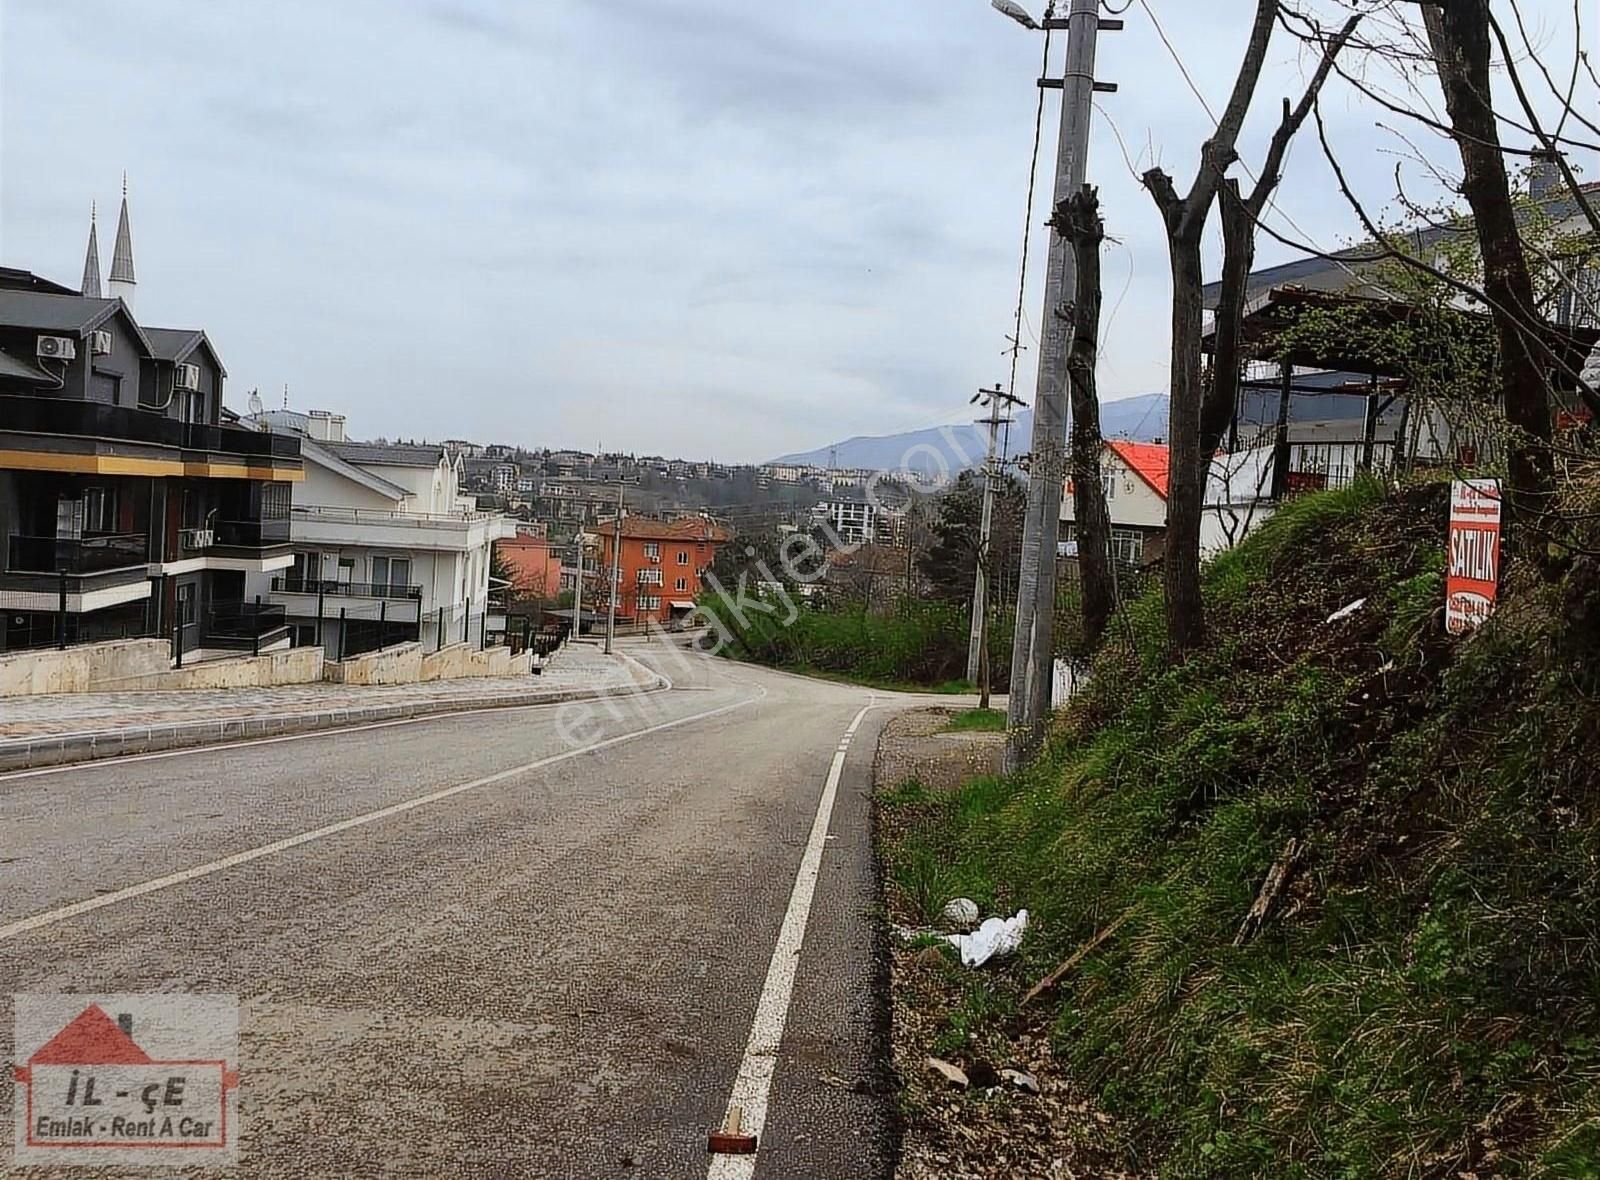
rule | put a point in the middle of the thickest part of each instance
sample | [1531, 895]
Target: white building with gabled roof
[386, 547]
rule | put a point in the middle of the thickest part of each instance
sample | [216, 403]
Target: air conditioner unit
[100, 342]
[57, 348]
[197, 538]
[186, 377]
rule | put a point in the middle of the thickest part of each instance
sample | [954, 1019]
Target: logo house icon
[93, 1086]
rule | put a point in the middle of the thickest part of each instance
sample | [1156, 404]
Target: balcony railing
[59, 415]
[85, 555]
[245, 626]
[392, 516]
[250, 534]
[293, 585]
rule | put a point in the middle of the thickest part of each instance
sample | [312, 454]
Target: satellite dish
[255, 404]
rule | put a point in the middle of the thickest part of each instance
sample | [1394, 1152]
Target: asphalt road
[521, 943]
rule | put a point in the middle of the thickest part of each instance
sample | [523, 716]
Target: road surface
[529, 942]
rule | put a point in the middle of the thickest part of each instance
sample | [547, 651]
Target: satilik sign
[1472, 584]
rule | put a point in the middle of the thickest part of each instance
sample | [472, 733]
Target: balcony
[236, 534]
[64, 416]
[78, 556]
[246, 626]
[293, 585]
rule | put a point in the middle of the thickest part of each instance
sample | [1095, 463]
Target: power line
[1195, 90]
[1027, 227]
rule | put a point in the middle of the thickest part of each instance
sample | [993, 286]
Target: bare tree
[1185, 219]
[1077, 219]
[1459, 34]
[1239, 217]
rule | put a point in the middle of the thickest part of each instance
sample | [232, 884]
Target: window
[99, 510]
[683, 584]
[275, 498]
[347, 570]
[649, 602]
[1127, 546]
[652, 550]
[186, 604]
[1108, 480]
[683, 557]
[649, 577]
[393, 572]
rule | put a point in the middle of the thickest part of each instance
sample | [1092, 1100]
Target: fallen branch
[1278, 877]
[1078, 956]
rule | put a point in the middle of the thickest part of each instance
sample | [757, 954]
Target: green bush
[919, 644]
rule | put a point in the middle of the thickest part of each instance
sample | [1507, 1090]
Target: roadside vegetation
[1334, 885]
[920, 646]
[977, 721]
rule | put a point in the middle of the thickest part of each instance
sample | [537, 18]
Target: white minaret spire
[91, 260]
[123, 283]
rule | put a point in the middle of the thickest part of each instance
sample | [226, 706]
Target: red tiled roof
[1148, 461]
[692, 528]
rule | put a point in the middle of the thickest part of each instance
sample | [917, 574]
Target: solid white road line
[753, 1085]
[50, 917]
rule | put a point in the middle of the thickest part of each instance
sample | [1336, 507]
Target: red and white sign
[1472, 583]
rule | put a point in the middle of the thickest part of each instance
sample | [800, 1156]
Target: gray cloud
[671, 225]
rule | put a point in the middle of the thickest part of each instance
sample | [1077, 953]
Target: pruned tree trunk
[1459, 36]
[1078, 220]
[1185, 219]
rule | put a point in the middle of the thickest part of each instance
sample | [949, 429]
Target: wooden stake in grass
[1078, 956]
[1278, 876]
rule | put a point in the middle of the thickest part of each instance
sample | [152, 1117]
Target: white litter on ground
[1344, 612]
[996, 937]
[961, 913]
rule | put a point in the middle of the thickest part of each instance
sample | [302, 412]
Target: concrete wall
[144, 665]
[298, 665]
[400, 664]
[463, 660]
[91, 667]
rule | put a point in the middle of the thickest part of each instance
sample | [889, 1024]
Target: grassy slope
[1426, 1002]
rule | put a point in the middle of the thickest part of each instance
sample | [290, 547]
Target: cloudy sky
[711, 228]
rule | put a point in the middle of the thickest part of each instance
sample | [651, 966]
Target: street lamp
[1017, 13]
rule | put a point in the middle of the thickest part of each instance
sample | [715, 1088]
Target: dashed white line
[753, 1085]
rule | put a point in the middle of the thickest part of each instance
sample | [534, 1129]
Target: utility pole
[577, 593]
[616, 570]
[977, 636]
[1032, 651]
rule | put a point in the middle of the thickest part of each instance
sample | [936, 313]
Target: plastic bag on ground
[996, 937]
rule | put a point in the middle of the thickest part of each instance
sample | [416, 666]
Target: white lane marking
[50, 917]
[753, 1084]
[185, 751]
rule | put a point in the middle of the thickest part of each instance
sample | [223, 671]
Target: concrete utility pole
[1032, 651]
[577, 592]
[977, 636]
[616, 571]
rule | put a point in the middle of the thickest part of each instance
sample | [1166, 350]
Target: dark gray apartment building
[129, 505]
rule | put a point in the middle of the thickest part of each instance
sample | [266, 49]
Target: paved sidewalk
[70, 727]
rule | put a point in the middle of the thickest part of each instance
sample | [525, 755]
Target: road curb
[93, 746]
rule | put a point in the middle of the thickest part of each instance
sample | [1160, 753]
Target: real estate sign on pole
[1472, 583]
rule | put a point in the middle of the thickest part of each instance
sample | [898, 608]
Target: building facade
[129, 503]
[661, 568]
[386, 549]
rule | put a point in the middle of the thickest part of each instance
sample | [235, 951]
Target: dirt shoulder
[990, 1128]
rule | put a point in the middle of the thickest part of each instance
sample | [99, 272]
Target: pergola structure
[1345, 364]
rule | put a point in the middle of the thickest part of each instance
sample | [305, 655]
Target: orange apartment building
[535, 566]
[662, 564]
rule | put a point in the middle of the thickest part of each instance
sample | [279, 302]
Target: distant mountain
[1142, 418]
